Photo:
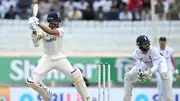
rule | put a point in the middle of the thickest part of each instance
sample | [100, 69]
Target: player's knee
[29, 80]
[35, 78]
[165, 76]
[76, 76]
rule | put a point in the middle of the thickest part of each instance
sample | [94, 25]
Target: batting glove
[32, 23]
[34, 20]
[33, 27]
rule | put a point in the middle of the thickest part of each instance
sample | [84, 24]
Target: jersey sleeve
[37, 38]
[61, 31]
[137, 60]
[171, 51]
[156, 59]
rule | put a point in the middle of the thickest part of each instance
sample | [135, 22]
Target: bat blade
[35, 9]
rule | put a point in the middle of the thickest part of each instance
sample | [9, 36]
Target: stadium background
[96, 31]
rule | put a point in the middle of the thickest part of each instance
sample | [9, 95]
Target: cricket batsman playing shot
[53, 57]
[147, 61]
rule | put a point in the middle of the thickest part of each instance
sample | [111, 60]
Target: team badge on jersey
[150, 57]
[49, 38]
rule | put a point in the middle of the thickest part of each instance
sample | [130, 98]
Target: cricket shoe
[40, 88]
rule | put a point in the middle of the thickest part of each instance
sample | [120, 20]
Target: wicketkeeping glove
[143, 75]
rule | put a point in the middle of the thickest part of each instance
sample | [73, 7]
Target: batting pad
[128, 87]
[40, 89]
[78, 81]
[167, 87]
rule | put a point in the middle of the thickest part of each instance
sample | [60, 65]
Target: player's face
[162, 44]
[144, 47]
[53, 24]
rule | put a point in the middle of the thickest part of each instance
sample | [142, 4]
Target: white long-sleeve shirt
[152, 58]
[52, 44]
[167, 53]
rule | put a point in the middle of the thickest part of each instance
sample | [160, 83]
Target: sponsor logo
[154, 97]
[56, 97]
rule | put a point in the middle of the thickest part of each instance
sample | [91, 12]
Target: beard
[53, 25]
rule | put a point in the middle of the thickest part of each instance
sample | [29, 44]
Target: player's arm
[32, 23]
[174, 63]
[35, 38]
[156, 59]
[137, 60]
[138, 65]
[46, 29]
[173, 60]
[175, 67]
[49, 30]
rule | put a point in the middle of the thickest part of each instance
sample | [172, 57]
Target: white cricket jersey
[152, 58]
[53, 45]
[167, 53]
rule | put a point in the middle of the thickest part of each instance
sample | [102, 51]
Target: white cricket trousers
[46, 64]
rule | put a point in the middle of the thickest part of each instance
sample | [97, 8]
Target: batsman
[53, 57]
[148, 60]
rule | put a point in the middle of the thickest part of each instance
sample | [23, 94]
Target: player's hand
[148, 72]
[150, 78]
[177, 76]
[32, 26]
[34, 20]
[32, 23]
[143, 75]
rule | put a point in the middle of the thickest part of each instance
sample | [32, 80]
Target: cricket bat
[35, 10]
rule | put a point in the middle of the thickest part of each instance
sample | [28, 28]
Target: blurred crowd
[135, 10]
